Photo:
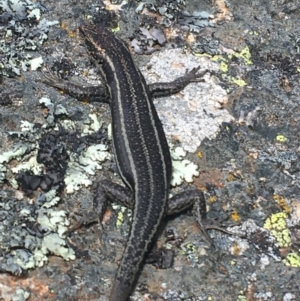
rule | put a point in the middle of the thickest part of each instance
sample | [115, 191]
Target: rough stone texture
[250, 170]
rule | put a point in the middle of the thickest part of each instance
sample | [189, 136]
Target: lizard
[141, 150]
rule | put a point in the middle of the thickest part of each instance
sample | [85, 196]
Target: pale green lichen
[79, 171]
[281, 138]
[92, 125]
[241, 297]
[2, 173]
[27, 127]
[51, 243]
[183, 170]
[39, 258]
[238, 81]
[277, 225]
[93, 155]
[24, 259]
[76, 177]
[56, 245]
[177, 153]
[68, 125]
[35, 13]
[292, 260]
[50, 199]
[31, 164]
[25, 31]
[19, 150]
[54, 220]
[20, 295]
[35, 63]
[190, 251]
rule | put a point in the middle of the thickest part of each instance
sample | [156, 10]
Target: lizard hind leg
[194, 198]
[105, 192]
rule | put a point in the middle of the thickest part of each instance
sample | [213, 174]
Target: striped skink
[140, 146]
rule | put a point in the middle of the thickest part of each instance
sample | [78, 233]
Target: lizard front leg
[162, 89]
[99, 93]
[81, 93]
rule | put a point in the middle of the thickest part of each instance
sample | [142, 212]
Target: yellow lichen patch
[244, 54]
[281, 138]
[71, 33]
[84, 73]
[282, 203]
[201, 54]
[218, 58]
[235, 216]
[230, 177]
[212, 198]
[236, 249]
[120, 219]
[188, 248]
[292, 260]
[116, 29]
[277, 225]
[238, 81]
[241, 297]
[222, 61]
[253, 33]
[200, 155]
[85, 100]
[63, 25]
[223, 67]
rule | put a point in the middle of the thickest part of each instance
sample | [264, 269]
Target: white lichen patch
[49, 244]
[92, 125]
[51, 199]
[195, 113]
[24, 29]
[17, 153]
[27, 127]
[35, 63]
[30, 164]
[68, 125]
[56, 245]
[54, 223]
[2, 173]
[183, 169]
[79, 171]
[54, 220]
[20, 295]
